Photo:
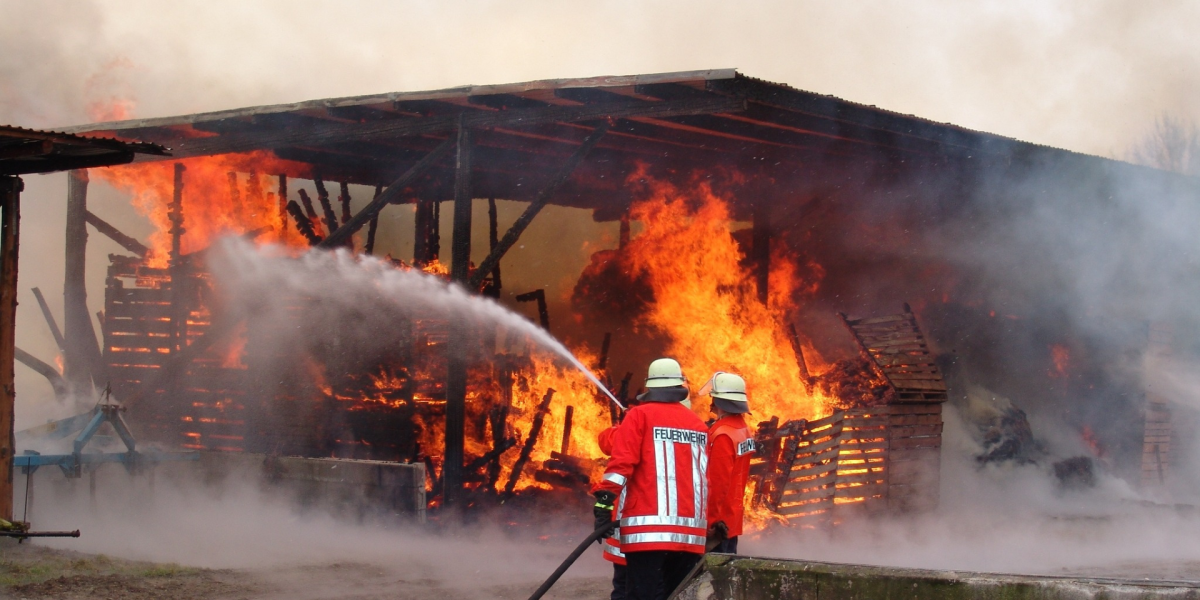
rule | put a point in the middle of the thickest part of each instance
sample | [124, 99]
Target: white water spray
[253, 279]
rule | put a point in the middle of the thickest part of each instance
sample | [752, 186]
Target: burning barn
[860, 267]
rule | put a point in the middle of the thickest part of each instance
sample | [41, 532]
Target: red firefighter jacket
[659, 458]
[612, 544]
[730, 447]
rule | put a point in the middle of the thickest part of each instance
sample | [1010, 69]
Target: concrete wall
[355, 489]
[728, 577]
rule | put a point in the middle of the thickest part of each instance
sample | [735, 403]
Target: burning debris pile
[339, 389]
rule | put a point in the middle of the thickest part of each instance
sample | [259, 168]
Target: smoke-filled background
[1031, 260]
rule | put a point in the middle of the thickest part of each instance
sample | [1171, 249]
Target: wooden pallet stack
[867, 459]
[896, 345]
[1156, 433]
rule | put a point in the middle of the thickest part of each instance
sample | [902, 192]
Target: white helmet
[664, 372]
[728, 392]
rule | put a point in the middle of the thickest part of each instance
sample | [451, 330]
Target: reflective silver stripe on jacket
[613, 550]
[672, 482]
[676, 538]
[616, 478]
[699, 481]
[664, 520]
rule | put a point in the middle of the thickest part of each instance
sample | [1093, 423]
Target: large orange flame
[706, 303]
[212, 205]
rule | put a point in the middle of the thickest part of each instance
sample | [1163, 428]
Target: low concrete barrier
[355, 489]
[727, 577]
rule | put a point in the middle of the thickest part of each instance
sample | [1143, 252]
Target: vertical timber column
[81, 356]
[460, 333]
[761, 248]
[10, 220]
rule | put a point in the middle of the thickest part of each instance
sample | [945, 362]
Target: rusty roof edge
[465, 90]
[67, 137]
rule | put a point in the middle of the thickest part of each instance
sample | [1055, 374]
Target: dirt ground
[29, 571]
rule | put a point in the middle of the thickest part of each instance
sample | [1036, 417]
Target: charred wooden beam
[539, 296]
[493, 240]
[127, 242]
[341, 132]
[535, 430]
[460, 249]
[176, 266]
[309, 210]
[460, 333]
[424, 214]
[283, 202]
[798, 349]
[566, 436]
[81, 359]
[331, 221]
[235, 197]
[543, 197]
[49, 316]
[603, 362]
[50, 373]
[393, 191]
[374, 223]
[10, 221]
[303, 224]
[344, 200]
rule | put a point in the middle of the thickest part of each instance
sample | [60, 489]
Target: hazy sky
[1087, 75]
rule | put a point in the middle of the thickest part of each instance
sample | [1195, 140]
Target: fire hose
[600, 532]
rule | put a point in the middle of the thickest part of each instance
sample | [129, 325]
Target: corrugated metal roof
[24, 151]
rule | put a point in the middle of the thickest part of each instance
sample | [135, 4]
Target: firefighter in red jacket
[730, 446]
[656, 480]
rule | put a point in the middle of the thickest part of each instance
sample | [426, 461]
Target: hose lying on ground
[600, 532]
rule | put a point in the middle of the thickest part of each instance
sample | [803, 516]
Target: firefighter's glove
[718, 531]
[603, 510]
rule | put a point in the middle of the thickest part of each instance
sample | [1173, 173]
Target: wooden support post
[604, 351]
[81, 359]
[235, 197]
[175, 265]
[761, 248]
[566, 437]
[518, 227]
[435, 231]
[10, 222]
[493, 240]
[369, 248]
[424, 213]
[460, 332]
[283, 202]
[623, 232]
[460, 249]
[344, 199]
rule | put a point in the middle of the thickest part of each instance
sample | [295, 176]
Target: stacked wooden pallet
[895, 343]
